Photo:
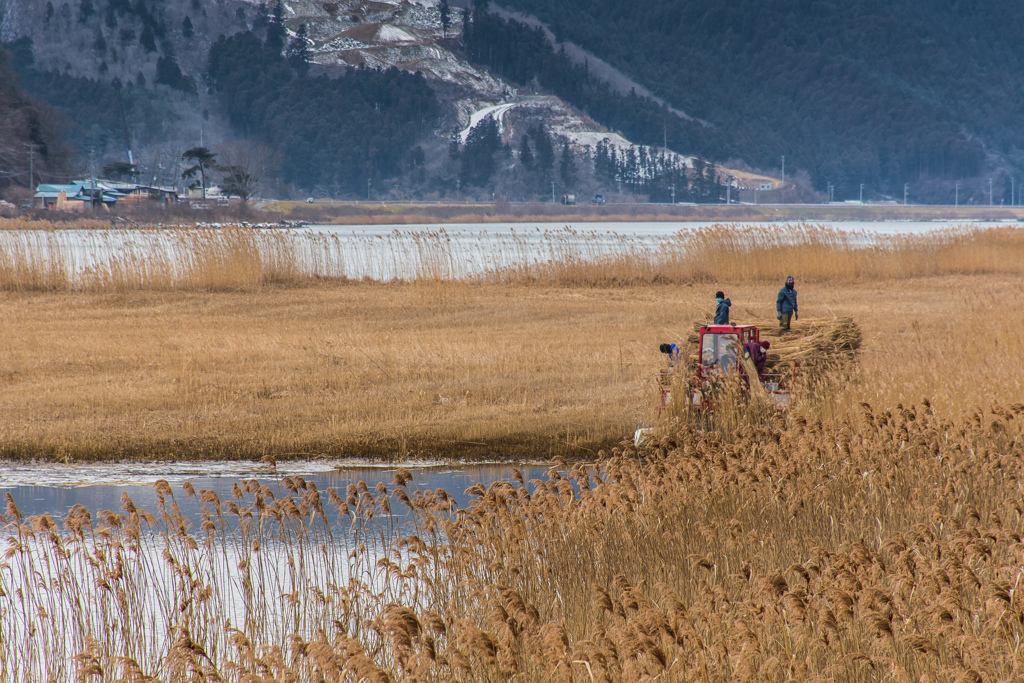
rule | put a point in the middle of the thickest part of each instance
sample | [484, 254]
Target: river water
[54, 488]
[55, 602]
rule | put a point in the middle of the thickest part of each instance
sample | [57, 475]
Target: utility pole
[673, 194]
[31, 165]
[905, 187]
[367, 189]
[552, 191]
[862, 193]
[124, 122]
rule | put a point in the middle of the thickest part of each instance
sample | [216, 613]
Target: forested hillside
[30, 146]
[335, 132]
[879, 96]
[853, 92]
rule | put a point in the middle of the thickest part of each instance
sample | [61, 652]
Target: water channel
[54, 488]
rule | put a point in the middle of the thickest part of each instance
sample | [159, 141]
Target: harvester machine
[720, 367]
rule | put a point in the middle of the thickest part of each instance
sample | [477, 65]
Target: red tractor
[720, 358]
[719, 362]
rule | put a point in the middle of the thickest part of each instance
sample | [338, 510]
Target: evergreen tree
[545, 150]
[445, 11]
[262, 16]
[715, 190]
[48, 16]
[482, 143]
[566, 168]
[148, 40]
[698, 186]
[168, 72]
[120, 171]
[298, 52]
[187, 30]
[85, 10]
[525, 153]
[202, 160]
[275, 29]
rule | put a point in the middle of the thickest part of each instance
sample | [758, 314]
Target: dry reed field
[881, 547]
[872, 533]
[246, 356]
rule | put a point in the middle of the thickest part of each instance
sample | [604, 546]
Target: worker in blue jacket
[722, 312]
[785, 303]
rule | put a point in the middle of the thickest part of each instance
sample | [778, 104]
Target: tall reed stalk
[882, 547]
[227, 258]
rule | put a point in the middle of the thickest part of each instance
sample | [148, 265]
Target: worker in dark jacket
[722, 312]
[758, 353]
[785, 303]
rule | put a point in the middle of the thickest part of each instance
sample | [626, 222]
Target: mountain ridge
[726, 83]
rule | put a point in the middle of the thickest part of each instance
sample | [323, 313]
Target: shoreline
[291, 214]
[380, 213]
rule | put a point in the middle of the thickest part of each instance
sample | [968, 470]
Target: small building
[212, 192]
[80, 195]
[765, 187]
[134, 193]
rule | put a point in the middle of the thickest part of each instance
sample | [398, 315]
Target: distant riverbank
[402, 213]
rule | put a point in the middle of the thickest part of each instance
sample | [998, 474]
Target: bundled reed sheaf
[808, 343]
[883, 546]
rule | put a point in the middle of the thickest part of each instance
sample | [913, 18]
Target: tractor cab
[720, 350]
[721, 346]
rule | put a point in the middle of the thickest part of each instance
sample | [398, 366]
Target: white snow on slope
[495, 111]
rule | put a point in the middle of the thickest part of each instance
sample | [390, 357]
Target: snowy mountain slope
[399, 33]
[409, 35]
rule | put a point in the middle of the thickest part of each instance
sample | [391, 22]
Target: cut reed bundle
[808, 342]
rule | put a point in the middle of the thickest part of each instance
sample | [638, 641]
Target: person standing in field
[785, 304]
[722, 312]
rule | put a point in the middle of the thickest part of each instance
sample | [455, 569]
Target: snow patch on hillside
[562, 123]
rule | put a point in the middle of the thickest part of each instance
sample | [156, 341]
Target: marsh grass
[233, 257]
[884, 546]
[871, 534]
[444, 369]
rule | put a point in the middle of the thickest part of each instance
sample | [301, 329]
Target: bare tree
[244, 166]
